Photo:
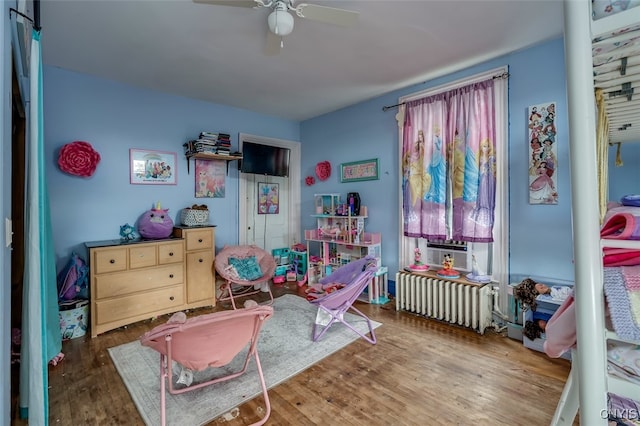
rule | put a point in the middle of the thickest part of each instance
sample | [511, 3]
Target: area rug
[285, 349]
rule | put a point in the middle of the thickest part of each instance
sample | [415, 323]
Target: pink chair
[212, 340]
[355, 277]
[242, 278]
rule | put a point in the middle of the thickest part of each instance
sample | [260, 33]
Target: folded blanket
[623, 302]
[620, 257]
[621, 226]
[631, 277]
[624, 360]
[622, 411]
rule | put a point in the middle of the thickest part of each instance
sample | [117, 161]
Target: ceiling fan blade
[273, 44]
[237, 3]
[327, 14]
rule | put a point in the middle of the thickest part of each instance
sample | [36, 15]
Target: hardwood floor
[421, 372]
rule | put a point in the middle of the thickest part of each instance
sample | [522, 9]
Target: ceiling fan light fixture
[280, 22]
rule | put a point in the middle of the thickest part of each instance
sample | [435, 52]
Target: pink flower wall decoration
[78, 158]
[323, 170]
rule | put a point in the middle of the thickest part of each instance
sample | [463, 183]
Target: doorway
[18, 144]
[270, 230]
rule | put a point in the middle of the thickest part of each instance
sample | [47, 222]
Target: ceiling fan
[280, 21]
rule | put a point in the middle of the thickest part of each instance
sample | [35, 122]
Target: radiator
[465, 304]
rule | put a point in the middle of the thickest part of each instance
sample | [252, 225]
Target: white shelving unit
[338, 238]
[588, 383]
[330, 250]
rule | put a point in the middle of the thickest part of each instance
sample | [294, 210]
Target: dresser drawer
[142, 256]
[200, 276]
[122, 283]
[139, 305]
[170, 252]
[199, 239]
[109, 260]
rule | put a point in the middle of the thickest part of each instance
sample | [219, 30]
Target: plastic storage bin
[74, 316]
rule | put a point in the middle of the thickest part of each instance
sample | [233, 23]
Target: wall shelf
[206, 156]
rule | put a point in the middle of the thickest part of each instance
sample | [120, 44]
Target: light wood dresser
[137, 280]
[199, 256]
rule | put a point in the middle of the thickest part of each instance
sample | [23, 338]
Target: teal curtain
[41, 339]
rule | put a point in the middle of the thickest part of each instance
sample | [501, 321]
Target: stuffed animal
[127, 233]
[155, 223]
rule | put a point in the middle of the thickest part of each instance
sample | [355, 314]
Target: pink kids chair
[350, 281]
[212, 340]
[246, 270]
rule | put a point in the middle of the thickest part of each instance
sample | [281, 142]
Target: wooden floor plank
[420, 372]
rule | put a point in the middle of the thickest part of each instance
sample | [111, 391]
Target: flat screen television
[264, 159]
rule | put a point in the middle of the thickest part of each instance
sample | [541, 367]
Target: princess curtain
[471, 115]
[449, 167]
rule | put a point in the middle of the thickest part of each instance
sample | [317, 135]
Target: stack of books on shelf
[224, 144]
[209, 143]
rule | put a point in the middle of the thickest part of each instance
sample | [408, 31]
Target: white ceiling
[216, 53]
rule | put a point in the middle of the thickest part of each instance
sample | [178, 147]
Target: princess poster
[543, 164]
[210, 178]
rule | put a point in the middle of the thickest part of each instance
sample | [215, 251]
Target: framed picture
[149, 167]
[359, 170]
[268, 198]
[210, 178]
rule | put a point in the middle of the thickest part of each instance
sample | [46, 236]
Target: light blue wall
[624, 180]
[114, 117]
[540, 236]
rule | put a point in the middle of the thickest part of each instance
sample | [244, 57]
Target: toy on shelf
[327, 204]
[475, 275]
[332, 232]
[128, 233]
[447, 270]
[155, 223]
[417, 261]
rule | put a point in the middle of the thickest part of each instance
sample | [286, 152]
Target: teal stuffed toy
[127, 233]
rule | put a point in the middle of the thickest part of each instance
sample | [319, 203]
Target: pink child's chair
[355, 277]
[244, 268]
[212, 340]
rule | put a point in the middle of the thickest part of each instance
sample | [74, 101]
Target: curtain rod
[388, 107]
[35, 25]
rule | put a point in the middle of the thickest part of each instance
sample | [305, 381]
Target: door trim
[294, 186]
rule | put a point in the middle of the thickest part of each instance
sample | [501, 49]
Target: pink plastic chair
[243, 287]
[212, 340]
[355, 277]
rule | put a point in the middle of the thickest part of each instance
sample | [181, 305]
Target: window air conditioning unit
[459, 251]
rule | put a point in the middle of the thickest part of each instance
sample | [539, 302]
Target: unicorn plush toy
[155, 223]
